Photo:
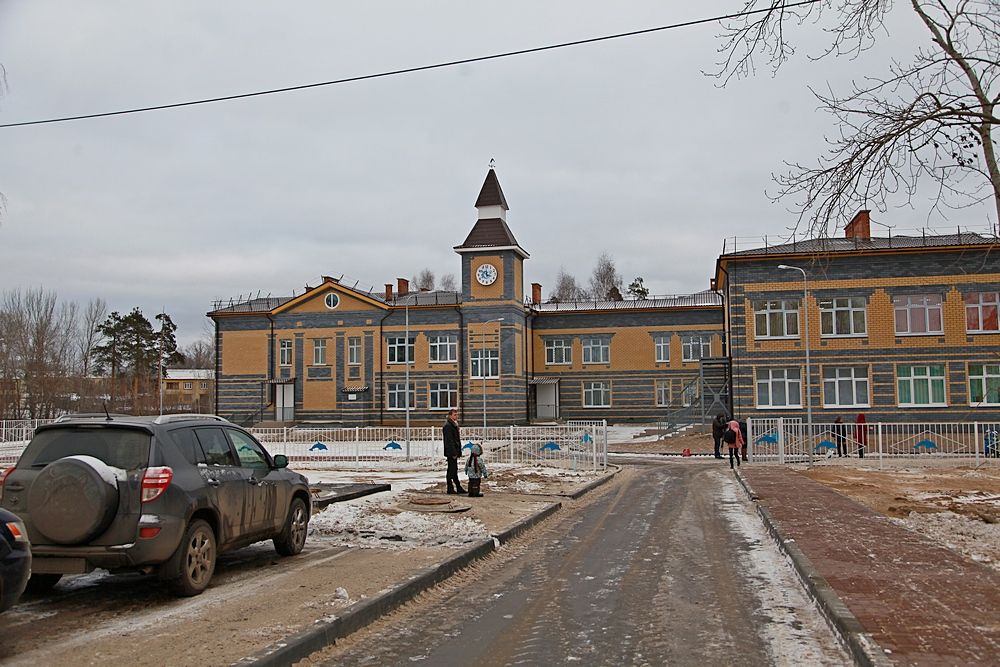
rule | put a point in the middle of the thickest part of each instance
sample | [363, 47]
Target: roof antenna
[106, 413]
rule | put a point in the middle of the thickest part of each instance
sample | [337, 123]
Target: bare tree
[448, 283]
[424, 280]
[605, 281]
[566, 289]
[929, 117]
[90, 318]
[199, 354]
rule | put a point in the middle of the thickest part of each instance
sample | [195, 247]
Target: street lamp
[406, 384]
[482, 370]
[805, 316]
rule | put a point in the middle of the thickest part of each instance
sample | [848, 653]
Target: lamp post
[482, 370]
[805, 316]
[406, 386]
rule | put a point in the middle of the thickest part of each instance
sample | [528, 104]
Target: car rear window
[118, 447]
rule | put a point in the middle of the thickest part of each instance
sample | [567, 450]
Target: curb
[320, 503]
[593, 485]
[863, 648]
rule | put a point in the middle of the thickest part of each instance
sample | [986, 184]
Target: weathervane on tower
[493, 163]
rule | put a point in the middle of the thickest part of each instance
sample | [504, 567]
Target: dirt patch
[697, 442]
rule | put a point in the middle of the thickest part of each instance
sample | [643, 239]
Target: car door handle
[213, 482]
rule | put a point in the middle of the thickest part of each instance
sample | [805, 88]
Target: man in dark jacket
[718, 428]
[452, 450]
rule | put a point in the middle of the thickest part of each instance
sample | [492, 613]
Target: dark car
[15, 559]
[155, 494]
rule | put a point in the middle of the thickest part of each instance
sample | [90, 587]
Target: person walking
[452, 450]
[718, 428]
[861, 434]
[840, 434]
[733, 438]
[475, 469]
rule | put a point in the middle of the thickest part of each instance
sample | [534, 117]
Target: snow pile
[370, 526]
[975, 539]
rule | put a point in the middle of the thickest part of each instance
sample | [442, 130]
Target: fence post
[878, 435]
[357, 446]
[975, 441]
[512, 444]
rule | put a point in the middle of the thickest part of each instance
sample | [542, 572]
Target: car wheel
[194, 562]
[293, 535]
[42, 583]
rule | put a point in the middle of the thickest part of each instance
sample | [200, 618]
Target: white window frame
[855, 375]
[921, 373]
[701, 341]
[204, 385]
[662, 393]
[910, 304]
[285, 353]
[490, 358]
[436, 391]
[600, 346]
[558, 352]
[354, 350]
[786, 312]
[395, 396]
[331, 300]
[852, 305]
[319, 351]
[597, 390]
[987, 374]
[397, 344]
[983, 301]
[188, 386]
[788, 379]
[442, 349]
[661, 345]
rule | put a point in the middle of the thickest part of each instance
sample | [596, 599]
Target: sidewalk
[922, 603]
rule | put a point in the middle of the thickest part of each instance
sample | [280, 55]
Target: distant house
[189, 390]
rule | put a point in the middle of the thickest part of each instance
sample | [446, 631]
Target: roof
[835, 245]
[708, 298]
[260, 305]
[189, 374]
[429, 298]
[491, 194]
[491, 233]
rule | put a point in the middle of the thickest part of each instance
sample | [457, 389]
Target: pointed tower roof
[491, 193]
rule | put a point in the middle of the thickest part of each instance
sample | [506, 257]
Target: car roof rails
[167, 419]
[90, 415]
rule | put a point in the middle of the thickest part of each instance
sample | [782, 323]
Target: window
[484, 363]
[662, 393]
[918, 313]
[981, 311]
[845, 386]
[171, 386]
[332, 300]
[399, 351]
[842, 316]
[596, 351]
[558, 352]
[188, 445]
[443, 348]
[662, 348]
[285, 353]
[689, 396]
[984, 384]
[319, 352]
[696, 347]
[249, 452]
[776, 319]
[354, 351]
[920, 385]
[443, 395]
[188, 386]
[779, 388]
[204, 385]
[396, 396]
[216, 447]
[596, 394]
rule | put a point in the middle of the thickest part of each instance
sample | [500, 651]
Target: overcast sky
[623, 146]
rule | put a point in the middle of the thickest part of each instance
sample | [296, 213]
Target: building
[901, 328]
[339, 354]
[188, 390]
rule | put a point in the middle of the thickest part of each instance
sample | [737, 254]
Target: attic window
[332, 300]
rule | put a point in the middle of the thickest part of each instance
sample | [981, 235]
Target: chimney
[388, 291]
[402, 286]
[711, 284]
[859, 228]
[536, 294]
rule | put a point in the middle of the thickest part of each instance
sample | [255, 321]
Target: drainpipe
[218, 363]
[461, 373]
[381, 403]
[270, 366]
[727, 322]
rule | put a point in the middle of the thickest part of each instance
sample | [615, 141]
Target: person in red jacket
[733, 438]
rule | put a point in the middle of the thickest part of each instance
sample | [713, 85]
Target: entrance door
[284, 402]
[546, 401]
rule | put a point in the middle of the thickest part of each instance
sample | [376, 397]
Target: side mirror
[280, 461]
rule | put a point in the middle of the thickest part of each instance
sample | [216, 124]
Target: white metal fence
[785, 440]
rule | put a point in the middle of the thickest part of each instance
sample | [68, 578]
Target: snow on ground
[971, 537]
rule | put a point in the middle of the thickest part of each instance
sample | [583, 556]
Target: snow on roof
[190, 374]
[699, 299]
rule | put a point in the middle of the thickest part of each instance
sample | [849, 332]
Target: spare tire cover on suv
[73, 499]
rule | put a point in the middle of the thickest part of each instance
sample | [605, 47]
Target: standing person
[452, 450]
[861, 434]
[744, 435]
[734, 440]
[476, 471]
[840, 434]
[718, 428]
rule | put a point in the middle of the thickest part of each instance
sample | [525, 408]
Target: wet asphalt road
[652, 571]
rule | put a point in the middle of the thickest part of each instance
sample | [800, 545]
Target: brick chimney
[860, 227]
[536, 293]
[388, 291]
[402, 286]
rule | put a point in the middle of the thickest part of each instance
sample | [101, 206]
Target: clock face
[486, 274]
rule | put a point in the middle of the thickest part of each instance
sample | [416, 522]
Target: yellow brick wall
[494, 291]
[244, 352]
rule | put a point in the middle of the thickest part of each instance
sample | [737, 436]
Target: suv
[163, 494]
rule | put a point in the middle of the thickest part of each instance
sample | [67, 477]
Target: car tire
[292, 538]
[42, 583]
[191, 567]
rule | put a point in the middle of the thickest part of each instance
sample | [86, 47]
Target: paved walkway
[926, 604]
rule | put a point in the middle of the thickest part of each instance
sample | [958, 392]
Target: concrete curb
[863, 648]
[326, 632]
[322, 502]
[593, 485]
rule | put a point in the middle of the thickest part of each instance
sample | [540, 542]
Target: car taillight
[155, 481]
[16, 529]
[4, 474]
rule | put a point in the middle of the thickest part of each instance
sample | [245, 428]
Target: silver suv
[155, 494]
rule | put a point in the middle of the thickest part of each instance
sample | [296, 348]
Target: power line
[408, 70]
